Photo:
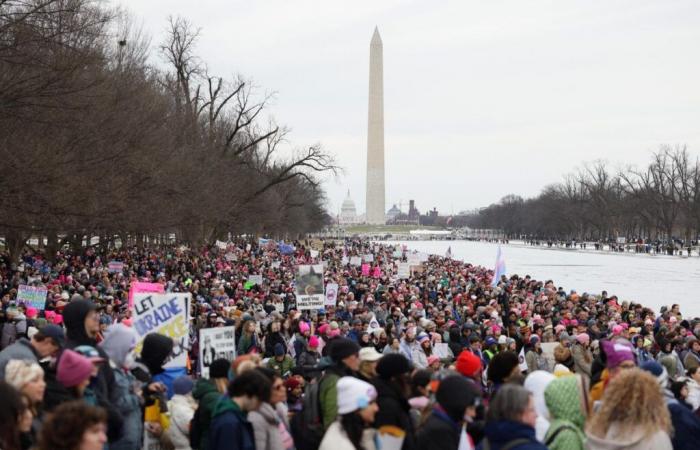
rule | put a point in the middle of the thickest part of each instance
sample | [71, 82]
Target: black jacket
[439, 432]
[394, 410]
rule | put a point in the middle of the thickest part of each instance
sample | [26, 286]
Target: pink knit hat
[583, 338]
[32, 312]
[303, 327]
[313, 342]
[73, 369]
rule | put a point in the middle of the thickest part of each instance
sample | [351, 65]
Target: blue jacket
[130, 408]
[686, 425]
[504, 431]
[230, 429]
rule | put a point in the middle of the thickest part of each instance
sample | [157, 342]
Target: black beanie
[219, 368]
[393, 364]
[341, 348]
[502, 365]
[455, 394]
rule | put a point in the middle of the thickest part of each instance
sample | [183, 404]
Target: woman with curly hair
[12, 414]
[630, 417]
[74, 425]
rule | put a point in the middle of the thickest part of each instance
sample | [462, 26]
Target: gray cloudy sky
[482, 98]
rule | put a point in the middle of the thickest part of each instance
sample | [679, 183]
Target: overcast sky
[482, 98]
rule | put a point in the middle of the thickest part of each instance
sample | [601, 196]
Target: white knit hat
[18, 373]
[354, 394]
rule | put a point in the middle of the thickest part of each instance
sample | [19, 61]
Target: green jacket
[564, 399]
[281, 368]
[207, 397]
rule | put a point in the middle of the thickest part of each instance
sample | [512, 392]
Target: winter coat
[12, 331]
[266, 427]
[536, 383]
[583, 358]
[536, 361]
[635, 439]
[691, 360]
[686, 425]
[439, 432]
[394, 410]
[336, 439]
[328, 392]
[501, 432]
[207, 397]
[564, 402]
[307, 362]
[418, 357]
[693, 394]
[22, 350]
[230, 428]
[181, 410]
[270, 341]
[129, 405]
[282, 368]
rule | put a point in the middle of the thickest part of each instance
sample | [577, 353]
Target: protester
[181, 409]
[537, 383]
[75, 425]
[28, 378]
[207, 393]
[12, 412]
[369, 357]
[567, 404]
[269, 421]
[630, 417]
[456, 401]
[46, 342]
[357, 408]
[393, 389]
[344, 354]
[511, 421]
[230, 429]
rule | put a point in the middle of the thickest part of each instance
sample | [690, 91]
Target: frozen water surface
[653, 280]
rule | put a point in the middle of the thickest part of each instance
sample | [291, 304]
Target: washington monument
[375, 134]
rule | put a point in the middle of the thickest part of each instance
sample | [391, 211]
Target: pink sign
[140, 286]
[365, 270]
[377, 272]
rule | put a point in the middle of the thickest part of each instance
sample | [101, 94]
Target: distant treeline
[97, 141]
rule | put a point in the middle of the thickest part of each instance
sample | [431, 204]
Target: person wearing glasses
[270, 424]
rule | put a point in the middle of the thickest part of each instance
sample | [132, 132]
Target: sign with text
[143, 287]
[215, 343]
[115, 267]
[256, 279]
[309, 287]
[331, 294]
[355, 260]
[166, 314]
[404, 270]
[34, 296]
[368, 257]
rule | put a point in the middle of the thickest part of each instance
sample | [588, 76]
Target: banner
[166, 314]
[115, 267]
[215, 343]
[143, 287]
[404, 270]
[365, 270]
[331, 294]
[32, 296]
[309, 287]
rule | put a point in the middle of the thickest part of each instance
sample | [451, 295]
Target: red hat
[468, 364]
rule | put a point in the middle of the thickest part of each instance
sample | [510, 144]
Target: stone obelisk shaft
[375, 134]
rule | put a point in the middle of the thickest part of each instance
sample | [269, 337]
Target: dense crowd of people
[447, 358]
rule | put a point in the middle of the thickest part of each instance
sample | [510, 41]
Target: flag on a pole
[448, 254]
[500, 268]
[521, 360]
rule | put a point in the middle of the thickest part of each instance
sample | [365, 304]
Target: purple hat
[617, 352]
[73, 368]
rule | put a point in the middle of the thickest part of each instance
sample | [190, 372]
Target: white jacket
[693, 393]
[336, 439]
[181, 409]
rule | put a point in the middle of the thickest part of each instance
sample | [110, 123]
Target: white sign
[275, 264]
[256, 279]
[216, 343]
[167, 314]
[310, 302]
[313, 253]
[404, 270]
[331, 294]
[368, 257]
[441, 350]
[230, 256]
[355, 260]
[414, 260]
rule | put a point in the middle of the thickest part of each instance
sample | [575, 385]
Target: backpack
[554, 435]
[306, 426]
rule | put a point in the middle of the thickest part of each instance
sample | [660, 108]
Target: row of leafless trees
[659, 202]
[96, 141]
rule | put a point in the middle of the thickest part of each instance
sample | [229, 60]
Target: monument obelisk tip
[376, 38]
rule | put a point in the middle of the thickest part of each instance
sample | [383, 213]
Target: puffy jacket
[282, 368]
[207, 397]
[564, 401]
[395, 410]
[230, 428]
[502, 432]
[181, 410]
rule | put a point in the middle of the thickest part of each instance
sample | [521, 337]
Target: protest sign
[276, 264]
[404, 270]
[215, 343]
[166, 314]
[313, 253]
[365, 270]
[221, 245]
[355, 260]
[256, 279]
[143, 287]
[441, 350]
[230, 257]
[115, 267]
[368, 257]
[331, 294]
[377, 273]
[414, 259]
[309, 287]
[34, 296]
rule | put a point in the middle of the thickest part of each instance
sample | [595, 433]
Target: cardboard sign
[32, 296]
[331, 294]
[166, 314]
[215, 343]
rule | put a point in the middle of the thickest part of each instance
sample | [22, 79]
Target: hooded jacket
[207, 396]
[230, 428]
[181, 410]
[501, 432]
[536, 383]
[266, 428]
[566, 410]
